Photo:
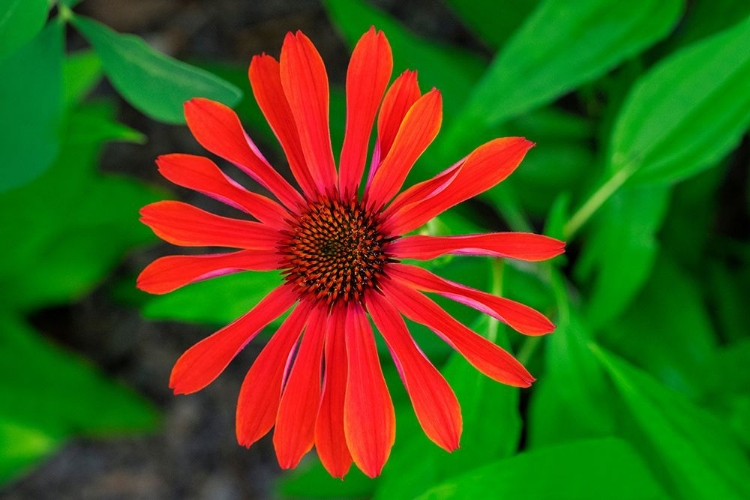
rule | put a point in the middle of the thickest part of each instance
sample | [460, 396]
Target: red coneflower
[340, 255]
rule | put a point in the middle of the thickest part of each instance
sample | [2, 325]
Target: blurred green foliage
[638, 110]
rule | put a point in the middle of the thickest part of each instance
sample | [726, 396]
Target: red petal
[261, 389]
[433, 399]
[266, 83]
[295, 421]
[203, 362]
[397, 101]
[484, 168]
[202, 175]
[218, 129]
[185, 225]
[523, 246]
[486, 357]
[420, 126]
[425, 189]
[330, 440]
[518, 316]
[369, 418]
[170, 273]
[303, 76]
[369, 71]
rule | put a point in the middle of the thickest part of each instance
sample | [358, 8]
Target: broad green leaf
[687, 112]
[493, 20]
[154, 83]
[83, 226]
[20, 21]
[311, 480]
[703, 19]
[215, 301]
[561, 45]
[81, 72]
[726, 291]
[689, 448]
[668, 334]
[595, 469]
[31, 104]
[572, 399]
[621, 251]
[22, 446]
[450, 69]
[59, 394]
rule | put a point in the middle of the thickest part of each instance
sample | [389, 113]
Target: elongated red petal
[418, 129]
[485, 356]
[218, 129]
[185, 225]
[484, 168]
[305, 83]
[369, 418]
[425, 189]
[295, 422]
[397, 101]
[203, 362]
[518, 316]
[265, 80]
[330, 440]
[369, 70]
[202, 175]
[261, 389]
[523, 246]
[170, 273]
[433, 399]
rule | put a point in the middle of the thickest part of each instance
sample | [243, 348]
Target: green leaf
[23, 446]
[84, 224]
[493, 20]
[152, 82]
[216, 301]
[606, 468]
[81, 72]
[686, 113]
[622, 250]
[31, 104]
[450, 69]
[560, 46]
[20, 21]
[679, 354]
[688, 447]
[59, 394]
[311, 480]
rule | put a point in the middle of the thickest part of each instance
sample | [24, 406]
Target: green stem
[595, 201]
[66, 14]
[496, 290]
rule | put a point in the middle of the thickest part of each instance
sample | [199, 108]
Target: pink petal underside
[518, 316]
[369, 70]
[295, 422]
[204, 176]
[218, 129]
[522, 246]
[369, 418]
[170, 273]
[484, 168]
[265, 80]
[400, 97]
[433, 399]
[185, 225]
[203, 362]
[418, 129]
[485, 356]
[330, 440]
[261, 389]
[305, 83]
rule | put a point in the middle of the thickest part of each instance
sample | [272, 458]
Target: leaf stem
[595, 201]
[496, 266]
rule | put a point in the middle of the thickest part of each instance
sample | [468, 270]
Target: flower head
[319, 380]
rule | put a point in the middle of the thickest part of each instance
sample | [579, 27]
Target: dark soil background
[194, 455]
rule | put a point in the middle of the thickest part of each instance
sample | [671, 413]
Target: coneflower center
[335, 251]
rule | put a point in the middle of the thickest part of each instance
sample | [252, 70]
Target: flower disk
[334, 251]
